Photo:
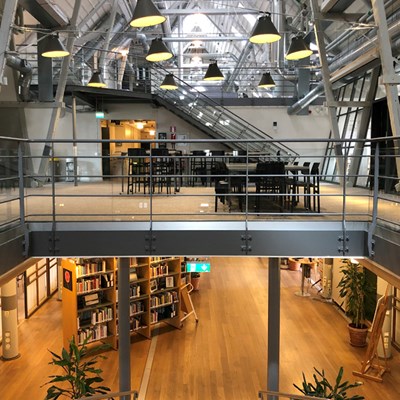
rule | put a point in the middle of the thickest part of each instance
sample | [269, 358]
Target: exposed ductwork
[25, 77]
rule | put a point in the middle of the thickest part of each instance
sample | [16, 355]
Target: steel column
[124, 354]
[74, 144]
[319, 33]
[55, 116]
[390, 79]
[7, 21]
[274, 291]
[45, 71]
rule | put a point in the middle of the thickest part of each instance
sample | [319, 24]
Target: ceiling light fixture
[298, 49]
[97, 80]
[213, 73]
[169, 83]
[139, 125]
[158, 51]
[146, 14]
[54, 48]
[266, 81]
[264, 31]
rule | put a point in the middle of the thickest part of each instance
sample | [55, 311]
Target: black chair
[137, 170]
[311, 188]
[217, 160]
[198, 166]
[161, 170]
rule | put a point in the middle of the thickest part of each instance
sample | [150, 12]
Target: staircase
[213, 119]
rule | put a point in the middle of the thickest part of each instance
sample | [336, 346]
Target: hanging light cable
[264, 31]
[146, 14]
[298, 49]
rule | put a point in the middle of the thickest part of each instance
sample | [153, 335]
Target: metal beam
[390, 79]
[209, 11]
[55, 115]
[343, 17]
[328, 90]
[7, 21]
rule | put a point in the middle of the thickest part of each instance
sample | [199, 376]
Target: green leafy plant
[80, 373]
[355, 288]
[321, 387]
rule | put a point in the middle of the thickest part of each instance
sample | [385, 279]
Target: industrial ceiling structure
[199, 32]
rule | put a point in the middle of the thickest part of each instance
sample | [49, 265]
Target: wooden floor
[224, 356]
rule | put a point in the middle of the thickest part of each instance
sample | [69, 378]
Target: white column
[9, 319]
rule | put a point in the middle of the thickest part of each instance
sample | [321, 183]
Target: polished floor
[224, 356]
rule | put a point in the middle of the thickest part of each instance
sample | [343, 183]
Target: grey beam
[5, 32]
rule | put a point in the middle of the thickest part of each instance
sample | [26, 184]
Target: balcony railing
[183, 184]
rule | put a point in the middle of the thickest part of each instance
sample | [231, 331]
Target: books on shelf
[91, 299]
[134, 291]
[89, 267]
[158, 269]
[93, 333]
[169, 282]
[153, 286]
[133, 274]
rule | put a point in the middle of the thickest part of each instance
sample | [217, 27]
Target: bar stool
[161, 169]
[198, 166]
[137, 169]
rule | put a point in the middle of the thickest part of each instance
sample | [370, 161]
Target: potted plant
[321, 387]
[195, 280]
[354, 289]
[79, 372]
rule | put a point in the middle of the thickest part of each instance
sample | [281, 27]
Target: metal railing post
[21, 194]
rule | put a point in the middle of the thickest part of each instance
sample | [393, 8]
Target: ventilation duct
[25, 77]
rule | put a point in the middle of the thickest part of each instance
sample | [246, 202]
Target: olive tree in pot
[354, 289]
[80, 377]
[322, 388]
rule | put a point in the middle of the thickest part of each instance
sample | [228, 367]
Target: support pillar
[45, 70]
[274, 291]
[9, 320]
[124, 352]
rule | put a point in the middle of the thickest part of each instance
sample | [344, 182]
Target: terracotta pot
[358, 336]
[294, 265]
[195, 283]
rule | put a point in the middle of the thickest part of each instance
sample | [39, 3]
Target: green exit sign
[198, 267]
[99, 114]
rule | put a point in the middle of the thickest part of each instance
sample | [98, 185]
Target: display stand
[371, 361]
[186, 302]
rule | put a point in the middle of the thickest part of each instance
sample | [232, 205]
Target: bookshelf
[89, 300]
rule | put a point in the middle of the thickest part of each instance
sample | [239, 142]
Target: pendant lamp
[97, 80]
[158, 51]
[169, 83]
[298, 49]
[266, 81]
[54, 48]
[146, 14]
[213, 73]
[264, 31]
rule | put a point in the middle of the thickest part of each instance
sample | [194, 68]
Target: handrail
[112, 395]
[261, 394]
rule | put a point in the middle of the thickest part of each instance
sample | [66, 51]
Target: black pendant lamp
[264, 31]
[158, 51]
[97, 80]
[169, 83]
[266, 81]
[54, 48]
[298, 49]
[213, 73]
[146, 14]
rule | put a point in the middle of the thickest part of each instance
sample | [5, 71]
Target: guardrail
[183, 184]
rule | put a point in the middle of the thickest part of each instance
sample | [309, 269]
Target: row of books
[95, 317]
[91, 267]
[162, 313]
[136, 323]
[164, 298]
[93, 333]
[134, 291]
[136, 307]
[95, 283]
[160, 269]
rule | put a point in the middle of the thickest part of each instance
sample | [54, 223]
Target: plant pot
[358, 336]
[294, 265]
[195, 283]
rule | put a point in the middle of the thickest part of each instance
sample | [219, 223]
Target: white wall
[88, 127]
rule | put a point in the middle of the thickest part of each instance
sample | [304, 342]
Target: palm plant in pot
[354, 289]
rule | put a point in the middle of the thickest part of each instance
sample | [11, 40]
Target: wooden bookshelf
[89, 300]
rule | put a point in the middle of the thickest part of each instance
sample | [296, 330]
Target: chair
[198, 166]
[270, 179]
[217, 157]
[161, 170]
[137, 169]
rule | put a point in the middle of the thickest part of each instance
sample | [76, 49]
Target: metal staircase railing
[214, 119]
